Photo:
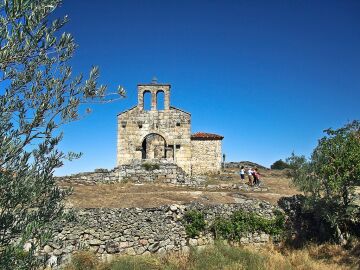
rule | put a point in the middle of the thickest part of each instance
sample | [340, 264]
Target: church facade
[165, 133]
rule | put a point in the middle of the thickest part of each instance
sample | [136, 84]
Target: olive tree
[38, 94]
[329, 178]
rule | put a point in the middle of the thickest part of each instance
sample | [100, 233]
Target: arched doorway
[153, 146]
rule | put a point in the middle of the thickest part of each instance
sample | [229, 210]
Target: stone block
[95, 242]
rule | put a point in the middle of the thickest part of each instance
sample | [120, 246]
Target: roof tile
[206, 136]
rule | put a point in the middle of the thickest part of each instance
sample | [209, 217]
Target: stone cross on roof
[154, 80]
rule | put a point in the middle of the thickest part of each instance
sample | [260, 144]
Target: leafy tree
[38, 94]
[328, 179]
[279, 165]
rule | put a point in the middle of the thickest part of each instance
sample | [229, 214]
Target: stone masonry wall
[136, 231]
[139, 172]
[206, 156]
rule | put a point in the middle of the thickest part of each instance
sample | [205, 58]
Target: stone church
[165, 133]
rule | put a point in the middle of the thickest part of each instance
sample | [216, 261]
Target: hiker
[242, 174]
[250, 176]
[256, 177]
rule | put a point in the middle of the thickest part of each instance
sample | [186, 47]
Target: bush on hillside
[280, 165]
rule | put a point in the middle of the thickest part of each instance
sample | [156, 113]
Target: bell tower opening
[159, 93]
[160, 100]
[147, 100]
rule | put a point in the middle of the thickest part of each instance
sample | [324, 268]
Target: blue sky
[267, 75]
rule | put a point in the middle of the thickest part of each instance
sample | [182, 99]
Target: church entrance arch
[153, 146]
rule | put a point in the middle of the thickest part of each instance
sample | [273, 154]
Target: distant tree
[328, 180]
[279, 165]
[38, 93]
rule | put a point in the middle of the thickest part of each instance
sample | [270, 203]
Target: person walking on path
[242, 174]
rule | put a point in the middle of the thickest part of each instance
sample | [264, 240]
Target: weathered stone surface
[95, 242]
[57, 252]
[112, 247]
[206, 154]
[52, 262]
[130, 251]
[27, 246]
[47, 249]
[143, 242]
[193, 242]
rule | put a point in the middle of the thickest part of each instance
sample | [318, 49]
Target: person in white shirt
[250, 176]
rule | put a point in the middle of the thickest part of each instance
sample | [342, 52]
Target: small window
[178, 124]
[178, 146]
[123, 124]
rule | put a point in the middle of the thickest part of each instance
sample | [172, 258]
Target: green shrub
[150, 166]
[70, 215]
[236, 226]
[242, 222]
[223, 228]
[194, 223]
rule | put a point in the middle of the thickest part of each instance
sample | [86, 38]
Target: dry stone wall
[137, 231]
[162, 171]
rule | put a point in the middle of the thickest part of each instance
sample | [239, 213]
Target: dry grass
[156, 194]
[308, 258]
[220, 256]
[145, 196]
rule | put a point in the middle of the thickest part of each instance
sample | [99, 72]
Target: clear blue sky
[267, 75]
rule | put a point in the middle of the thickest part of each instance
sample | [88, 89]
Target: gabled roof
[206, 136]
[174, 108]
[171, 107]
[154, 84]
[128, 110]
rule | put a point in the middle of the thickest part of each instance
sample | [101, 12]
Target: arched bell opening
[160, 100]
[147, 100]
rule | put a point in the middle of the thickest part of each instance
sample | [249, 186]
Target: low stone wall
[136, 231]
[138, 171]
